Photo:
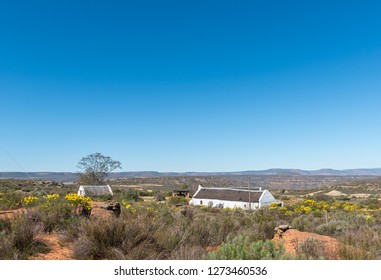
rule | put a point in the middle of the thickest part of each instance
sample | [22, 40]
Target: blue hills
[71, 176]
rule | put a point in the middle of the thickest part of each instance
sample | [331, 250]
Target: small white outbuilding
[232, 198]
[94, 191]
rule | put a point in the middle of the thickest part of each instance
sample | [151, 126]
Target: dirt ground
[11, 214]
[59, 250]
[295, 242]
[335, 193]
[327, 246]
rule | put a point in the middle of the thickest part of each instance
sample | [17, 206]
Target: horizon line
[237, 171]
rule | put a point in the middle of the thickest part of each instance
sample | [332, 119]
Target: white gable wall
[81, 191]
[110, 190]
[266, 198]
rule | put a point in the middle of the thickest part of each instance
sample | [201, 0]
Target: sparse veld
[331, 217]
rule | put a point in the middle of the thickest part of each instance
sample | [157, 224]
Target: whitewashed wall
[81, 191]
[266, 198]
[225, 204]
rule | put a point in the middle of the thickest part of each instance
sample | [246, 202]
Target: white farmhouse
[94, 191]
[232, 198]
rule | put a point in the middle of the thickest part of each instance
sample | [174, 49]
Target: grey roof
[96, 190]
[228, 194]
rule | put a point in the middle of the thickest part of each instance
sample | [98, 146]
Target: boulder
[114, 206]
[105, 209]
[279, 230]
[282, 228]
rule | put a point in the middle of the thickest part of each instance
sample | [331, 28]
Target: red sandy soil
[59, 250]
[292, 238]
[11, 214]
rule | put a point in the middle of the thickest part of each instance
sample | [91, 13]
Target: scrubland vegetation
[154, 229]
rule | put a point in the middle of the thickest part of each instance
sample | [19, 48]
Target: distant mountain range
[70, 177]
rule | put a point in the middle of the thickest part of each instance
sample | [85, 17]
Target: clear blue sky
[190, 85]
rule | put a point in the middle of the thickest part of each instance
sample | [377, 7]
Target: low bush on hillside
[157, 231]
[10, 200]
[177, 200]
[152, 230]
[309, 249]
[127, 196]
[241, 248]
[18, 241]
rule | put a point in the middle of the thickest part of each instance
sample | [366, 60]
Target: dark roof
[228, 194]
[96, 190]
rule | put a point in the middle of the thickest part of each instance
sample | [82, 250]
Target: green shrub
[5, 225]
[130, 195]
[6, 247]
[310, 249]
[145, 193]
[188, 252]
[10, 200]
[23, 232]
[371, 203]
[239, 248]
[57, 215]
[105, 197]
[18, 241]
[332, 228]
[349, 252]
[116, 238]
[159, 196]
[177, 200]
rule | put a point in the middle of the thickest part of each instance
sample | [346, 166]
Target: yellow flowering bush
[81, 200]
[53, 196]
[310, 202]
[323, 206]
[30, 200]
[282, 209]
[49, 200]
[274, 205]
[303, 209]
[317, 206]
[350, 207]
[335, 205]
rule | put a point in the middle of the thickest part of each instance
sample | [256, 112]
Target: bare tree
[94, 168]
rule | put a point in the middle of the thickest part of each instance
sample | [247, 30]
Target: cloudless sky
[190, 85]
